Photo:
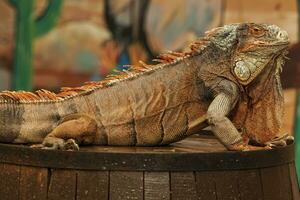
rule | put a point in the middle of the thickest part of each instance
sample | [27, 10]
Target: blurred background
[50, 44]
[53, 43]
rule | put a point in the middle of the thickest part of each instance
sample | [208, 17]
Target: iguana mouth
[277, 44]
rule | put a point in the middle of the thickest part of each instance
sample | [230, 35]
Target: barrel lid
[196, 153]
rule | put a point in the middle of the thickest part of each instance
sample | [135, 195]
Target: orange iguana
[229, 80]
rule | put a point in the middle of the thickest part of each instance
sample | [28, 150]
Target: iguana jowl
[229, 80]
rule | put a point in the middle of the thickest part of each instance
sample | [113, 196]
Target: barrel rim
[145, 161]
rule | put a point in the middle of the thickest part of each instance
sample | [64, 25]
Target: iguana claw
[280, 141]
[247, 147]
[57, 143]
[71, 144]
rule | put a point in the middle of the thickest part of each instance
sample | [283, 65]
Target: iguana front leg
[221, 126]
[70, 132]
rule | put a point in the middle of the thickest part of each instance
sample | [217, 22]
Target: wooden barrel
[195, 168]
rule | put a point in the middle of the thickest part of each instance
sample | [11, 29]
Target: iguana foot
[241, 146]
[52, 143]
[280, 141]
[71, 144]
[71, 131]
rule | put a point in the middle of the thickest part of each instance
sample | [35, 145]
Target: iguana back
[217, 80]
[153, 107]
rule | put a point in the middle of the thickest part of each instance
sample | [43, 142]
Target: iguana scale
[229, 80]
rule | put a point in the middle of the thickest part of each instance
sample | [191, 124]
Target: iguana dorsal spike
[163, 60]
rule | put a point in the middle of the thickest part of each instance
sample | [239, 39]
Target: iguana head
[252, 56]
[252, 46]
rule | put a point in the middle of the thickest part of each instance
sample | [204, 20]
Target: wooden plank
[183, 186]
[156, 186]
[9, 181]
[294, 181]
[286, 187]
[205, 185]
[249, 181]
[147, 159]
[92, 185]
[62, 185]
[33, 183]
[126, 185]
[226, 185]
[276, 183]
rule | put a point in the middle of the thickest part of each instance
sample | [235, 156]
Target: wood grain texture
[227, 185]
[157, 186]
[62, 185]
[92, 185]
[248, 182]
[206, 185]
[9, 181]
[197, 153]
[33, 183]
[294, 181]
[276, 183]
[183, 186]
[126, 185]
[237, 182]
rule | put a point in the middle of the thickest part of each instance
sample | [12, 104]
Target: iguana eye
[257, 32]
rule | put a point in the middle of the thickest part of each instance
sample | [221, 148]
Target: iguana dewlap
[229, 80]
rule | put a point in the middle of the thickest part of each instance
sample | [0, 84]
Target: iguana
[228, 81]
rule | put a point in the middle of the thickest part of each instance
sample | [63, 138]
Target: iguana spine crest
[44, 96]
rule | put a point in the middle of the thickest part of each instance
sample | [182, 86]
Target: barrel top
[195, 153]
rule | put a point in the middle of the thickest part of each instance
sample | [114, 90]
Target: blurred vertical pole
[27, 29]
[22, 71]
[297, 117]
